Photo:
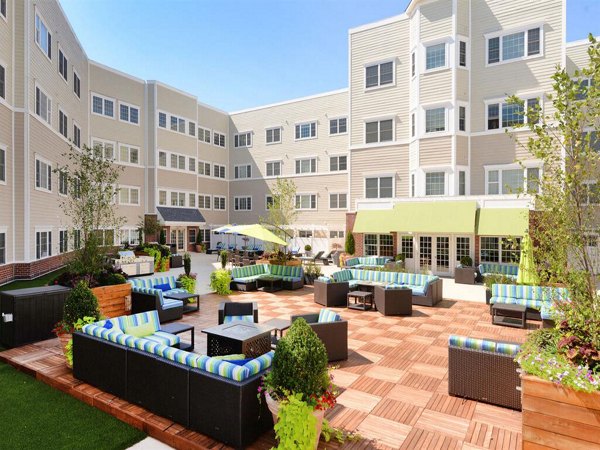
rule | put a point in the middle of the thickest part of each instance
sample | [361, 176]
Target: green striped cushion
[259, 364]
[180, 356]
[472, 343]
[342, 275]
[507, 348]
[164, 338]
[326, 315]
[228, 319]
[140, 319]
[145, 345]
[223, 368]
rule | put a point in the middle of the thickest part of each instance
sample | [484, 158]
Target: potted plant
[464, 273]
[299, 389]
[199, 245]
[224, 254]
[311, 273]
[220, 281]
[308, 250]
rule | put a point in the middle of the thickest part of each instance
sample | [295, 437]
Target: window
[63, 123]
[463, 247]
[177, 161]
[273, 135]
[462, 54]
[76, 135]
[192, 200]
[242, 140]
[3, 13]
[499, 250]
[162, 120]
[43, 244]
[192, 164]
[2, 82]
[43, 175]
[219, 203]
[192, 129]
[379, 74]
[462, 182]
[242, 203]
[2, 248]
[338, 126]
[103, 149]
[270, 203]
[177, 124]
[511, 114]
[204, 135]
[219, 171]
[462, 118]
[103, 106]
[514, 46]
[43, 105]
[63, 241]
[203, 168]
[591, 193]
[513, 180]
[407, 246]
[413, 124]
[129, 196]
[435, 120]
[413, 64]
[379, 131]
[379, 187]
[162, 159]
[335, 234]
[63, 65]
[337, 163]
[338, 201]
[2, 165]
[204, 201]
[306, 201]
[379, 244]
[273, 168]
[76, 84]
[129, 154]
[43, 38]
[305, 233]
[105, 237]
[192, 235]
[75, 187]
[162, 198]
[532, 114]
[244, 171]
[493, 120]
[62, 183]
[178, 199]
[218, 139]
[308, 165]
[306, 130]
[435, 56]
[435, 183]
[129, 113]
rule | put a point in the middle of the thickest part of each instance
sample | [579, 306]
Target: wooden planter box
[555, 417]
[114, 300]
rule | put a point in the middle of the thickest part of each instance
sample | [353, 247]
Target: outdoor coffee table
[360, 300]
[509, 315]
[185, 298]
[269, 283]
[251, 339]
[177, 328]
[277, 325]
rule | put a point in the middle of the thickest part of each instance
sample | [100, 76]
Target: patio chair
[313, 259]
[332, 330]
[326, 259]
[232, 311]
[295, 250]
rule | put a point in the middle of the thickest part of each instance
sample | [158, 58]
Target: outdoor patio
[393, 385]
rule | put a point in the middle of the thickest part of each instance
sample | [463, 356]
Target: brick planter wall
[34, 269]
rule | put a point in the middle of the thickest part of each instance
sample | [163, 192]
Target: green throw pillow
[230, 357]
[143, 330]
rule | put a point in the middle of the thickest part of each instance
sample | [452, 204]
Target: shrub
[307, 248]
[399, 257]
[466, 261]
[187, 263]
[224, 256]
[220, 281]
[81, 302]
[188, 282]
[198, 239]
[349, 244]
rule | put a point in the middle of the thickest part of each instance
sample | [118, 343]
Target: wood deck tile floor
[393, 385]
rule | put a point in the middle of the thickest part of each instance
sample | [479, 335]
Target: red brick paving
[393, 385]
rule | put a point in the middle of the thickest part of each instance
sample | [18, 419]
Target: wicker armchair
[333, 334]
[331, 294]
[238, 309]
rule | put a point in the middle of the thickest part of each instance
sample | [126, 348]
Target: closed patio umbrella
[257, 231]
[527, 270]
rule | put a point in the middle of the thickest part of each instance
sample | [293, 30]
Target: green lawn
[35, 416]
[41, 281]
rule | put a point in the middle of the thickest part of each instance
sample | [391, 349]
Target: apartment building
[412, 157]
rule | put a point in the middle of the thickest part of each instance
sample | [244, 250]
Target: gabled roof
[181, 215]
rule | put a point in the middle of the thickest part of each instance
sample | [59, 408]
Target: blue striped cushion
[140, 319]
[180, 356]
[164, 338]
[223, 368]
[342, 275]
[352, 262]
[325, 279]
[259, 364]
[472, 343]
[327, 315]
[507, 349]
[229, 319]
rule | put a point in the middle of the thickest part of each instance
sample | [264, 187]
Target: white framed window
[204, 201]
[192, 200]
[76, 84]
[379, 74]
[177, 161]
[273, 135]
[413, 185]
[462, 54]
[43, 244]
[243, 139]
[306, 201]
[43, 37]
[103, 106]
[335, 234]
[435, 183]
[462, 118]
[43, 174]
[243, 171]
[129, 235]
[273, 168]
[242, 203]
[512, 179]
[338, 200]
[192, 164]
[514, 45]
[2, 247]
[219, 171]
[379, 187]
[407, 247]
[162, 198]
[129, 113]
[177, 124]
[435, 56]
[413, 64]
[269, 202]
[379, 131]
[2, 165]
[76, 135]
[129, 154]
[463, 247]
[306, 165]
[103, 149]
[204, 168]
[379, 245]
[338, 126]
[63, 187]
[204, 134]
[305, 233]
[162, 159]
[462, 182]
[63, 123]
[218, 139]
[500, 114]
[43, 105]
[63, 65]
[219, 203]
[177, 198]
[162, 120]
[307, 130]
[192, 128]
[435, 120]
[63, 241]
[338, 163]
[499, 249]
[129, 195]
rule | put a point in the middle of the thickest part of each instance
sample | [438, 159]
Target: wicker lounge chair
[333, 334]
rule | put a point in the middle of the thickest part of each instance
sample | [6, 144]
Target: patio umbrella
[257, 231]
[224, 230]
[527, 271]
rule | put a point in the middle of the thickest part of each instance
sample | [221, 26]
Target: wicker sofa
[207, 395]
[360, 262]
[145, 296]
[484, 370]
[331, 329]
[245, 278]
[506, 270]
[533, 297]
[427, 290]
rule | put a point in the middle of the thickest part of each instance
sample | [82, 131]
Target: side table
[177, 328]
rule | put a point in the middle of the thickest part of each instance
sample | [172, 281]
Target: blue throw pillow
[163, 287]
[108, 325]
[239, 362]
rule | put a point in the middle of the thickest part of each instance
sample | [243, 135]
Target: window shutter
[49, 243]
[37, 245]
[37, 173]
[49, 45]
[49, 178]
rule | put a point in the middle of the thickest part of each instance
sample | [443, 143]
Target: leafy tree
[282, 211]
[349, 244]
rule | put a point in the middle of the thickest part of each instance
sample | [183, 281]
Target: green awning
[375, 221]
[435, 217]
[502, 221]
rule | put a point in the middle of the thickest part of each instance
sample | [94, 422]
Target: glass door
[441, 264]
[425, 253]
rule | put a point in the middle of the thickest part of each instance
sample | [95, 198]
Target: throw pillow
[163, 287]
[326, 315]
[108, 325]
[143, 330]
[239, 362]
[230, 357]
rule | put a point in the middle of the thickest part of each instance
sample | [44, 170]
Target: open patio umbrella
[527, 271]
[224, 230]
[257, 231]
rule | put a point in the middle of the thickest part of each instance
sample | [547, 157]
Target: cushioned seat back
[169, 279]
[504, 269]
[504, 290]
[249, 271]
[276, 269]
[387, 277]
[529, 292]
[342, 275]
[555, 294]
[352, 261]
[327, 315]
[139, 319]
[292, 271]
[487, 345]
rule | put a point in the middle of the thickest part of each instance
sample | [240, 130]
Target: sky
[236, 54]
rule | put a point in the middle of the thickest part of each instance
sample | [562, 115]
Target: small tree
[150, 225]
[282, 210]
[349, 244]
[91, 180]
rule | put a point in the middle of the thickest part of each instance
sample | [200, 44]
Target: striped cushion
[168, 303]
[504, 348]
[259, 364]
[164, 338]
[507, 349]
[146, 345]
[246, 279]
[180, 356]
[292, 279]
[228, 319]
[140, 319]
[326, 315]
[342, 275]
[249, 271]
[325, 279]
[352, 262]
[502, 269]
[223, 368]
